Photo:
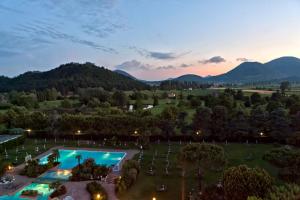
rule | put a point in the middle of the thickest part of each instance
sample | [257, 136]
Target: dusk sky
[150, 39]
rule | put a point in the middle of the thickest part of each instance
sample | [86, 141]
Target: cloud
[136, 65]
[133, 65]
[5, 53]
[214, 60]
[162, 55]
[167, 67]
[185, 65]
[242, 60]
[157, 54]
[73, 21]
[47, 33]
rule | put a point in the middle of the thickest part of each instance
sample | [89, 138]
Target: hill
[70, 77]
[125, 74]
[189, 78]
[284, 68]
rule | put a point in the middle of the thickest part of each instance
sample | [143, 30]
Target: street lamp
[98, 196]
[261, 134]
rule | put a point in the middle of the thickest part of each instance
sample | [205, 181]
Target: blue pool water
[68, 159]
[43, 189]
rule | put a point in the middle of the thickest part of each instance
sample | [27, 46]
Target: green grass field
[145, 187]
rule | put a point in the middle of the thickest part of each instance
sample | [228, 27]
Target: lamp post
[98, 196]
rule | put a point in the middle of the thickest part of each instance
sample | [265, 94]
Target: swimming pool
[68, 159]
[43, 189]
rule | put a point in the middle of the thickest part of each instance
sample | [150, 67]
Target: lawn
[145, 187]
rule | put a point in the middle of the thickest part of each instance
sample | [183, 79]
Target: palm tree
[78, 157]
[56, 154]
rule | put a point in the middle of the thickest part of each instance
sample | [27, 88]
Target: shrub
[281, 157]
[96, 191]
[213, 192]
[240, 182]
[61, 190]
[33, 169]
[30, 193]
[3, 167]
[288, 191]
[129, 174]
[89, 170]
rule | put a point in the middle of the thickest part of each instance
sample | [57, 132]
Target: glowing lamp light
[78, 132]
[98, 196]
[28, 130]
[66, 172]
[261, 134]
[153, 198]
[9, 167]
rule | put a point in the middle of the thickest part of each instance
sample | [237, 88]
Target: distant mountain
[70, 77]
[125, 74]
[189, 78]
[284, 68]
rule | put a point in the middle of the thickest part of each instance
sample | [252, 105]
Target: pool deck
[74, 189]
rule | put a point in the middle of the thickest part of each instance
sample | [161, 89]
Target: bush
[129, 174]
[30, 193]
[33, 169]
[96, 191]
[241, 182]
[290, 174]
[88, 170]
[282, 157]
[61, 190]
[288, 191]
[3, 167]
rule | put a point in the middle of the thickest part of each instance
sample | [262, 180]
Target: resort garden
[200, 144]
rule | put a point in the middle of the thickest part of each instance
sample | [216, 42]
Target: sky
[150, 39]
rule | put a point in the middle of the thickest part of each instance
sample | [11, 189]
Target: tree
[56, 154]
[168, 119]
[78, 158]
[66, 103]
[285, 85]
[256, 98]
[119, 98]
[241, 182]
[239, 125]
[204, 156]
[258, 120]
[279, 124]
[220, 120]
[239, 95]
[202, 121]
[139, 104]
[155, 101]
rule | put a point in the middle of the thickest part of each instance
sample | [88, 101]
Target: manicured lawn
[145, 187]
[50, 104]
